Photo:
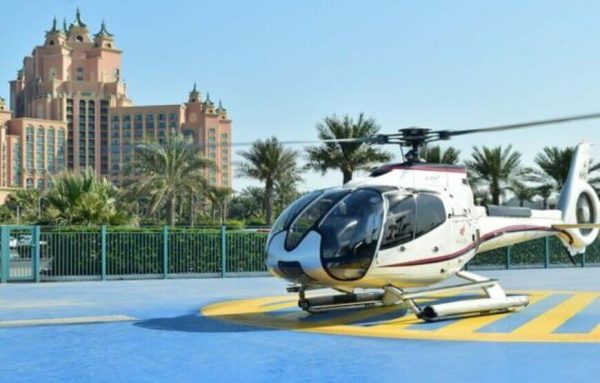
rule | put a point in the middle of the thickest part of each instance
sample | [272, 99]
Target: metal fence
[34, 253]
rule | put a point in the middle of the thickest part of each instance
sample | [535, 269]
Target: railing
[117, 253]
[539, 253]
[62, 253]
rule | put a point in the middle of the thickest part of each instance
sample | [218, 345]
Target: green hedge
[76, 252]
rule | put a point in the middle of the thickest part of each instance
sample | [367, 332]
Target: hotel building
[69, 109]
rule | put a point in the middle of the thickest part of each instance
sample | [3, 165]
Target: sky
[280, 67]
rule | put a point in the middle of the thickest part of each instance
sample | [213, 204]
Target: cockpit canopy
[355, 223]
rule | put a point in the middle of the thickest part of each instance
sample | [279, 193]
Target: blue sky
[280, 67]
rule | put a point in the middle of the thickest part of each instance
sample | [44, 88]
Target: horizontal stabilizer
[576, 226]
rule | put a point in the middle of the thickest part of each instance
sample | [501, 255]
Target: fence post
[165, 251]
[508, 256]
[5, 253]
[103, 252]
[36, 253]
[583, 259]
[223, 251]
[546, 252]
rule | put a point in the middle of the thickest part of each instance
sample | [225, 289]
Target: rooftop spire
[103, 31]
[78, 22]
[208, 103]
[54, 28]
[220, 108]
[194, 95]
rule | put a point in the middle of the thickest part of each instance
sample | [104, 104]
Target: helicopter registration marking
[538, 322]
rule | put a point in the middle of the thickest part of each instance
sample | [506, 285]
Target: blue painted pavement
[170, 341]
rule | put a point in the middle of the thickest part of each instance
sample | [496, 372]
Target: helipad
[552, 316]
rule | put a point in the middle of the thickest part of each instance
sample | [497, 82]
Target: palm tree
[24, 205]
[268, 161]
[554, 163]
[169, 171]
[544, 191]
[248, 204]
[497, 167]
[286, 191]
[81, 198]
[219, 198]
[437, 155]
[523, 192]
[345, 156]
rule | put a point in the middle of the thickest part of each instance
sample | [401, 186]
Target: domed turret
[221, 110]
[208, 105]
[103, 39]
[55, 36]
[78, 31]
[194, 95]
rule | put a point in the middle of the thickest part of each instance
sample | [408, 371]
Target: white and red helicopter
[413, 224]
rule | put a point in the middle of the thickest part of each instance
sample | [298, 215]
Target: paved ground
[152, 331]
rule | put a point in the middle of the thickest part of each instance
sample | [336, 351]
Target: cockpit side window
[430, 213]
[293, 210]
[400, 222]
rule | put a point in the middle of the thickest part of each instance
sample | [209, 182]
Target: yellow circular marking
[544, 323]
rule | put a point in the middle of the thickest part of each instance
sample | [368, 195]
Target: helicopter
[387, 238]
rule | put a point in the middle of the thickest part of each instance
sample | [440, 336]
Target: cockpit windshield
[311, 216]
[350, 233]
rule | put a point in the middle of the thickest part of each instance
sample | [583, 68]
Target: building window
[79, 69]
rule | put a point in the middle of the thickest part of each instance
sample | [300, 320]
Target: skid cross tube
[491, 287]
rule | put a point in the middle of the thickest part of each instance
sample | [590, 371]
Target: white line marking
[66, 321]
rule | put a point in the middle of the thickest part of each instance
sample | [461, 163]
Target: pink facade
[76, 79]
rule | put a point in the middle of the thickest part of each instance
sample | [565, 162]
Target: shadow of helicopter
[291, 319]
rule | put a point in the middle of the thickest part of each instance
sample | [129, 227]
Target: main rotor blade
[298, 142]
[445, 134]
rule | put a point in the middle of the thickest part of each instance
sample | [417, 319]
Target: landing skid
[496, 302]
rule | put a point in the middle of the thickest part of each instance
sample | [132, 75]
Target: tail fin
[579, 202]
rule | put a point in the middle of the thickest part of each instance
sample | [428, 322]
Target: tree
[24, 205]
[219, 198]
[169, 172]
[554, 163]
[523, 192]
[81, 198]
[437, 155]
[286, 191]
[497, 167]
[248, 204]
[268, 161]
[544, 191]
[345, 156]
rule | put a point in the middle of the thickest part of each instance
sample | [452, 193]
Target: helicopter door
[399, 226]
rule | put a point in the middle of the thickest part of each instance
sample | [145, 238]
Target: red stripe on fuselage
[482, 239]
